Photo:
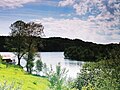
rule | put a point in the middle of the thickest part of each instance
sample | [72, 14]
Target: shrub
[102, 75]
[39, 66]
[56, 78]
[0, 58]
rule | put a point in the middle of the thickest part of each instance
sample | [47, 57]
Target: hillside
[56, 44]
[19, 78]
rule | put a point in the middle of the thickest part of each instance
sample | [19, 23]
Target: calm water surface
[53, 58]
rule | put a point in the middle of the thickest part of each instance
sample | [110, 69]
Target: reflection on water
[72, 63]
[53, 58]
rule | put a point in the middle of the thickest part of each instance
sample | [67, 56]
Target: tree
[39, 65]
[32, 30]
[24, 41]
[17, 42]
[29, 62]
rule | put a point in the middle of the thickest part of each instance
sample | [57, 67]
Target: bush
[0, 58]
[56, 78]
[39, 66]
[102, 75]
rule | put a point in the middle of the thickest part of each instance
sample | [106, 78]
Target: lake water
[53, 58]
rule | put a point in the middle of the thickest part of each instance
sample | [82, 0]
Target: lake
[53, 58]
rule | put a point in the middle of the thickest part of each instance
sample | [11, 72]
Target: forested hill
[58, 44]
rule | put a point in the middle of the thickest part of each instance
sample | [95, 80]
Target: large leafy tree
[17, 42]
[33, 30]
[24, 41]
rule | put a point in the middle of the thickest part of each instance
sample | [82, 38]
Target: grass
[16, 75]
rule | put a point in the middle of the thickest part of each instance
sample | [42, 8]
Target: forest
[53, 44]
[74, 49]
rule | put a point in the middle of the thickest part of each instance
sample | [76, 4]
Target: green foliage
[92, 53]
[39, 65]
[57, 78]
[22, 41]
[102, 75]
[29, 57]
[17, 42]
[80, 53]
[0, 58]
[32, 29]
[60, 44]
[70, 84]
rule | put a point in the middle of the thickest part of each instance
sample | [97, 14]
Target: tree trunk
[19, 61]
[27, 67]
[29, 47]
[30, 71]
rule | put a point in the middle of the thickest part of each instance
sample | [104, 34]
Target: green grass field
[17, 76]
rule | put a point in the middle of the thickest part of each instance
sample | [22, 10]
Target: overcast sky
[90, 20]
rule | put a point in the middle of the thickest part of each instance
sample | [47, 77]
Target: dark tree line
[49, 44]
[92, 53]
[73, 49]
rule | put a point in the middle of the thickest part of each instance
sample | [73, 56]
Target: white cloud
[83, 6]
[76, 28]
[66, 2]
[67, 15]
[105, 16]
[14, 3]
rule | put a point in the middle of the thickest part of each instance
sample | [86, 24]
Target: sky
[95, 21]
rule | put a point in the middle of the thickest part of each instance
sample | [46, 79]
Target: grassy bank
[17, 76]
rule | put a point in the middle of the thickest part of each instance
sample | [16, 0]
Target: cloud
[102, 10]
[91, 6]
[14, 3]
[49, 2]
[66, 15]
[66, 2]
[104, 14]
[76, 28]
